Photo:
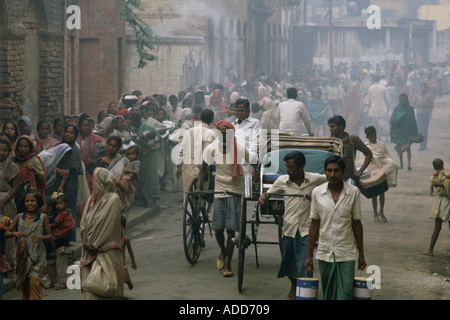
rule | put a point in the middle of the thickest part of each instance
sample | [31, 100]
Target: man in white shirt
[336, 223]
[190, 150]
[247, 133]
[379, 105]
[228, 157]
[296, 216]
[247, 128]
[293, 114]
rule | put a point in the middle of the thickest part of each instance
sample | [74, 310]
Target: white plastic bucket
[361, 290]
[307, 289]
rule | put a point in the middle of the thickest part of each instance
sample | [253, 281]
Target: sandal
[220, 264]
[227, 273]
[61, 287]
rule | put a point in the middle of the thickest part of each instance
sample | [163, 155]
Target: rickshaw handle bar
[271, 195]
[225, 193]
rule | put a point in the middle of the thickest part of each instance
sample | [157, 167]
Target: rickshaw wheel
[242, 242]
[193, 225]
[279, 220]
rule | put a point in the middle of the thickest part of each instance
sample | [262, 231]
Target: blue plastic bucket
[307, 289]
[361, 290]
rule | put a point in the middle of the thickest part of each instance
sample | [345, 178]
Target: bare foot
[376, 218]
[130, 285]
[220, 263]
[291, 295]
[382, 217]
[428, 253]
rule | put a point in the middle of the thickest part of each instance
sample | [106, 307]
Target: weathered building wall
[94, 61]
[199, 41]
[31, 59]
[360, 44]
[203, 41]
[403, 40]
[179, 64]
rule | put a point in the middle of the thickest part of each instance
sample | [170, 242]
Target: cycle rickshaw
[198, 204]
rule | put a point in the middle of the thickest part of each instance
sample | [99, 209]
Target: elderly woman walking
[102, 253]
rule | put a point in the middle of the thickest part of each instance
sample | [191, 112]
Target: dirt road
[397, 246]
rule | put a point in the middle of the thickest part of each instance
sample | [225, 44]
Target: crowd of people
[75, 168]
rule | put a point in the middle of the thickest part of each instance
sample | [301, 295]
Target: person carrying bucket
[336, 223]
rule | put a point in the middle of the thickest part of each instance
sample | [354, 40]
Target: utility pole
[305, 12]
[330, 3]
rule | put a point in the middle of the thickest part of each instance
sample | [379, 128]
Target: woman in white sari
[186, 119]
[51, 158]
[101, 256]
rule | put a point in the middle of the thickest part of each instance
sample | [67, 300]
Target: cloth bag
[376, 183]
[376, 175]
[102, 280]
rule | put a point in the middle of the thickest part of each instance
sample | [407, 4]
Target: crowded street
[396, 247]
[224, 150]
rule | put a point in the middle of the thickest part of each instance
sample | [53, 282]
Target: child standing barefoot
[62, 227]
[126, 244]
[441, 209]
[31, 226]
[49, 208]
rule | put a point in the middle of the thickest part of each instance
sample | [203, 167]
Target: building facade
[204, 41]
[31, 59]
[94, 57]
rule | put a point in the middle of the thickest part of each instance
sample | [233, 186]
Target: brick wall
[40, 23]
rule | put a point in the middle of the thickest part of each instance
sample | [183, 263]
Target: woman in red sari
[87, 140]
[44, 130]
[31, 170]
[26, 129]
